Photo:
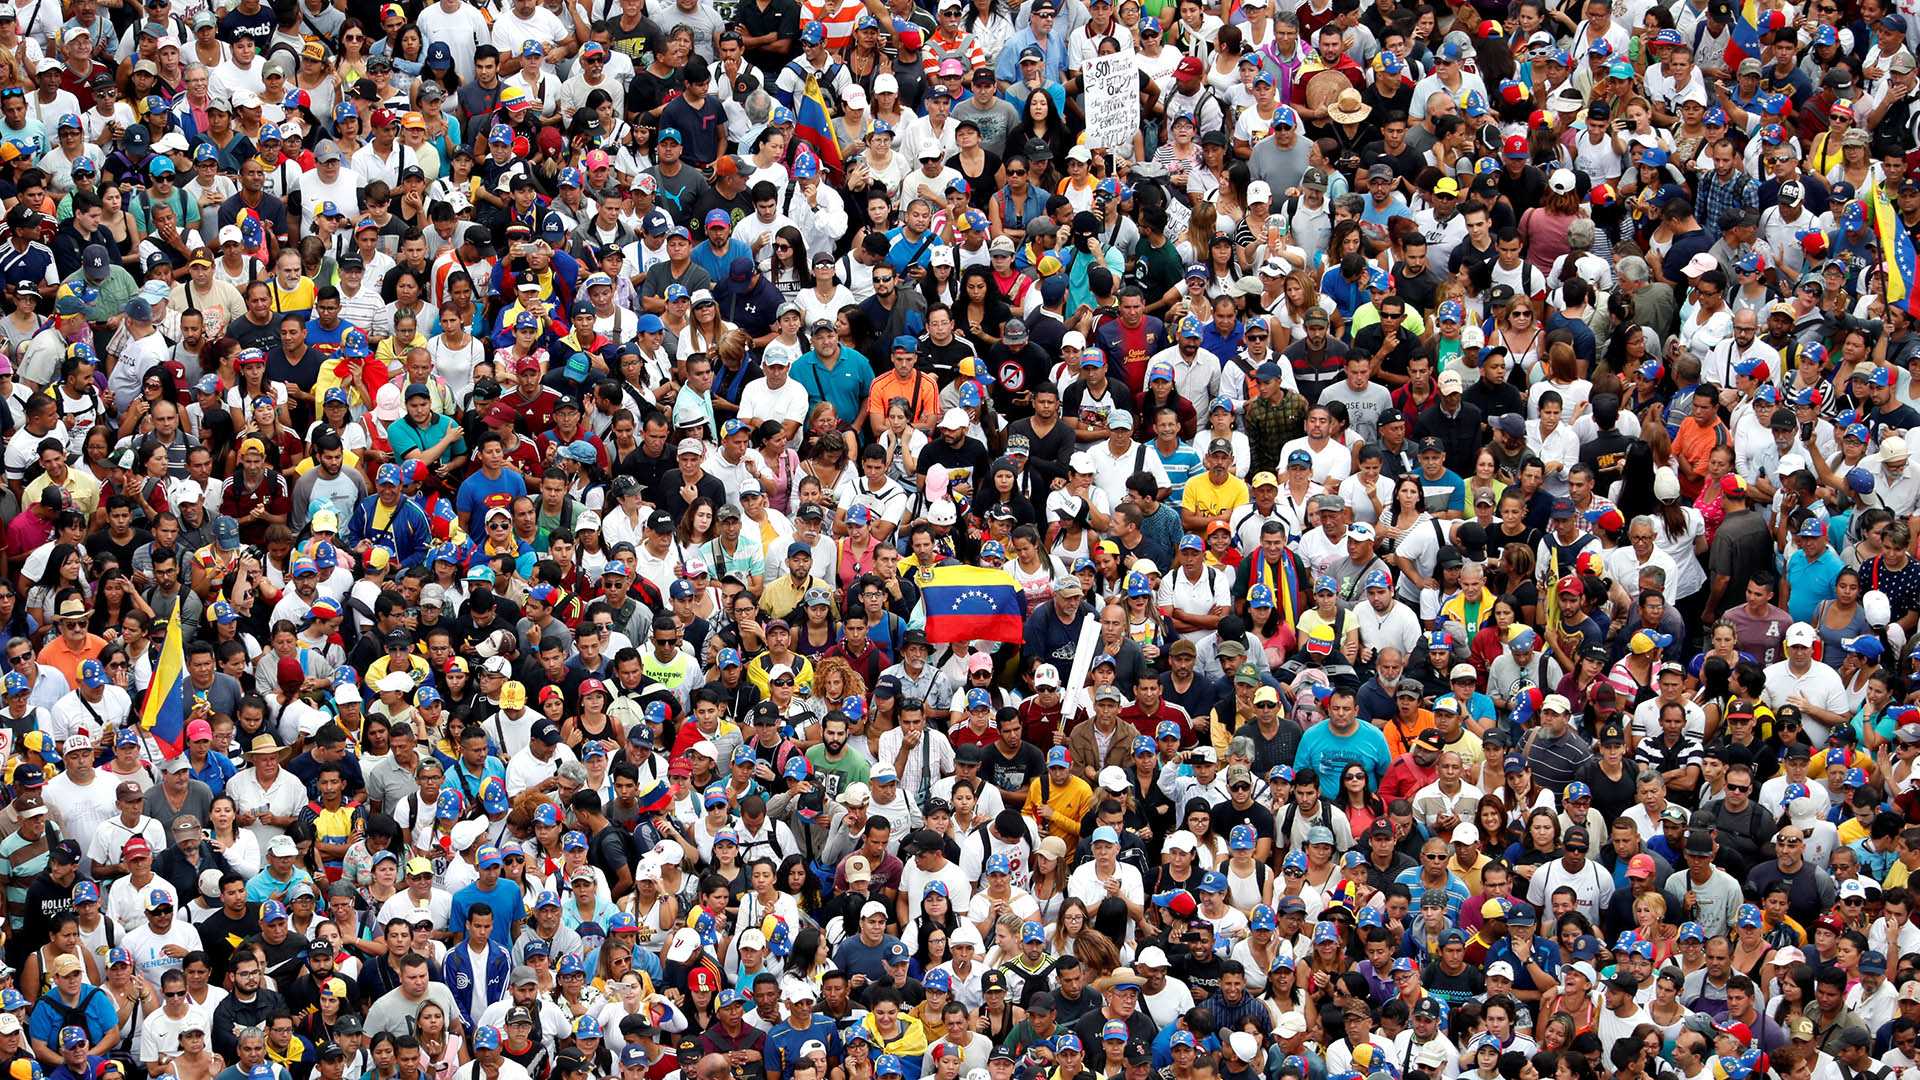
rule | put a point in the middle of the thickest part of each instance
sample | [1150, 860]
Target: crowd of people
[488, 489]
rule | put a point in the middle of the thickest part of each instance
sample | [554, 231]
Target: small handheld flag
[165, 712]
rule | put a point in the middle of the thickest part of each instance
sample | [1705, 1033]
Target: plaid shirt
[1270, 427]
[1716, 198]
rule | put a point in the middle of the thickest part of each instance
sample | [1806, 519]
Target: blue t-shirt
[784, 1042]
[856, 957]
[102, 1017]
[478, 494]
[503, 898]
[1447, 492]
[1330, 754]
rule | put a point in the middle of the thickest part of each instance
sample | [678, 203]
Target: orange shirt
[1695, 442]
[56, 654]
[1400, 739]
[924, 406]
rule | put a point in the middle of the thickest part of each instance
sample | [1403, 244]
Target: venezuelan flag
[165, 712]
[972, 603]
[814, 126]
[1896, 246]
[1744, 40]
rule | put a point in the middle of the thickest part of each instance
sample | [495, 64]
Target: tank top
[1243, 891]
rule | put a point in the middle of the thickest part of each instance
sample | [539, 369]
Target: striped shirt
[839, 25]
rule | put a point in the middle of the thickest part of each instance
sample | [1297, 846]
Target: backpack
[71, 1015]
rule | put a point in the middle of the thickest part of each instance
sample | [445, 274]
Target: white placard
[1113, 101]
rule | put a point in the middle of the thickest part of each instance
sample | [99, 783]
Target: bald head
[713, 1067]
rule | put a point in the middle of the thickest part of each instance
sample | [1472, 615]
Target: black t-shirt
[102, 542]
[1197, 974]
[1013, 773]
[286, 960]
[943, 361]
[1611, 797]
[637, 42]
[611, 850]
[776, 17]
[1497, 399]
[220, 934]
[251, 336]
[648, 91]
[1455, 990]
[1524, 189]
[969, 456]
[666, 492]
[45, 901]
[1055, 446]
[1225, 817]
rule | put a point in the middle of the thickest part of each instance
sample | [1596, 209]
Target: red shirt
[1146, 724]
[536, 411]
[1133, 356]
[525, 457]
[1040, 723]
[964, 735]
[239, 499]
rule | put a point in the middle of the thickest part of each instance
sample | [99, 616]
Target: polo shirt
[844, 385]
[405, 437]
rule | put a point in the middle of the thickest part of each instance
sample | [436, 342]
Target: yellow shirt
[84, 489]
[1070, 802]
[1853, 829]
[802, 675]
[1208, 499]
[306, 464]
[299, 298]
[393, 351]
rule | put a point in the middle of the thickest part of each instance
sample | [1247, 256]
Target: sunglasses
[1576, 849]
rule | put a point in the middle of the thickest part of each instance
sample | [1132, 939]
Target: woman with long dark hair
[785, 263]
[66, 569]
[983, 309]
[114, 601]
[1359, 802]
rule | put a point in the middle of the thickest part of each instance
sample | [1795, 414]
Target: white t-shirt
[762, 402]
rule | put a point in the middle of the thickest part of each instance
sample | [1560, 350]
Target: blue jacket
[458, 974]
[408, 533]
